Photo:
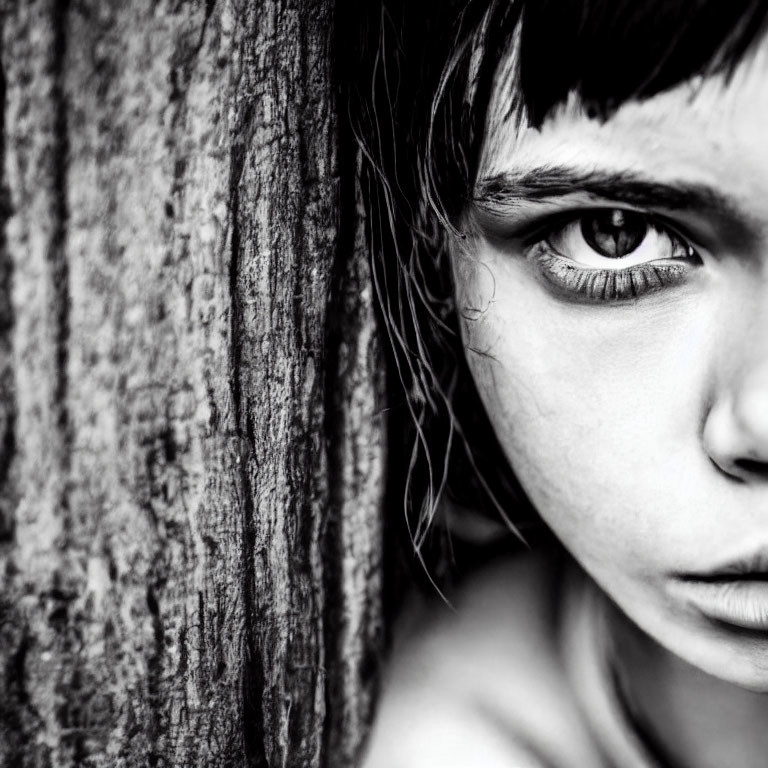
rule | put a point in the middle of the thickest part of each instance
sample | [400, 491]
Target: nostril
[752, 467]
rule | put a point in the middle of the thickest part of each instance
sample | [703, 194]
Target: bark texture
[190, 440]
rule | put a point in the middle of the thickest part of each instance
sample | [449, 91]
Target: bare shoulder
[463, 683]
[497, 635]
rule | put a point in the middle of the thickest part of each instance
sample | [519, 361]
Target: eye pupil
[614, 233]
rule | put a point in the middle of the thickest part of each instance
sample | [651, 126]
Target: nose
[736, 429]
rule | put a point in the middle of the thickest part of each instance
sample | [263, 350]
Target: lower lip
[740, 602]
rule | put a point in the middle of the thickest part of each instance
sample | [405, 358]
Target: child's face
[630, 392]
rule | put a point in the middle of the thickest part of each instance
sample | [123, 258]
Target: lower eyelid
[590, 284]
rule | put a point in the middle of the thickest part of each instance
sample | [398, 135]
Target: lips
[734, 593]
[742, 603]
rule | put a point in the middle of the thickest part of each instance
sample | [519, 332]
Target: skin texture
[639, 428]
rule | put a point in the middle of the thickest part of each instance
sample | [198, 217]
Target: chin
[746, 673]
[732, 656]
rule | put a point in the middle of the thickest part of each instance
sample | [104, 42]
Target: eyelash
[591, 284]
[608, 284]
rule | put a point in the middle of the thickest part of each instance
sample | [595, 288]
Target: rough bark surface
[190, 447]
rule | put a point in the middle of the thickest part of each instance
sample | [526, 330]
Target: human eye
[610, 254]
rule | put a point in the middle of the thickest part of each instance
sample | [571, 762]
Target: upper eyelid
[537, 214]
[560, 220]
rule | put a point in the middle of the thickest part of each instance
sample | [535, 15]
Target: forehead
[711, 130]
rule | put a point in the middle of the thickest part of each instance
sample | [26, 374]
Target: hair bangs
[609, 51]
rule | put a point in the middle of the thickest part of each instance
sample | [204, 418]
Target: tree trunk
[190, 447]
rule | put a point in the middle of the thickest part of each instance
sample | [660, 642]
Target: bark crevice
[8, 496]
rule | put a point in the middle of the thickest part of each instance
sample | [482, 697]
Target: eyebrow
[499, 193]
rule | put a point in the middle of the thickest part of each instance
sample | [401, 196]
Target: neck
[694, 719]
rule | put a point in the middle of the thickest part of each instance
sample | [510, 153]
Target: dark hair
[420, 104]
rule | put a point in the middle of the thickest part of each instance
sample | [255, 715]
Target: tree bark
[190, 441]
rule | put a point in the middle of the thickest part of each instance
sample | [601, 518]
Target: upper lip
[749, 567]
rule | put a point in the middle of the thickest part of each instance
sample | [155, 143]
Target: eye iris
[614, 233]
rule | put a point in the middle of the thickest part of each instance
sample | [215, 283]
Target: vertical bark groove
[58, 267]
[7, 394]
[252, 676]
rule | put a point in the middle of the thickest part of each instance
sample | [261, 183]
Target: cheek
[597, 407]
